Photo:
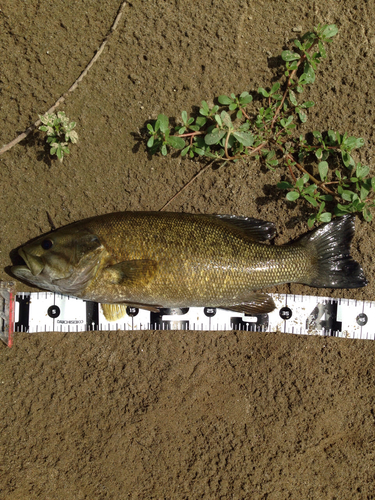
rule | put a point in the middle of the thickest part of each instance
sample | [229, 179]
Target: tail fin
[330, 246]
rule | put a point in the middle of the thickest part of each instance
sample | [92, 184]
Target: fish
[155, 260]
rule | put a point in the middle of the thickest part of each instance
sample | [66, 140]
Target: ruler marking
[327, 316]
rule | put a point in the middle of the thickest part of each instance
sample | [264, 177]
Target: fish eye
[47, 244]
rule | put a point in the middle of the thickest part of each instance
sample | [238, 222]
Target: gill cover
[63, 261]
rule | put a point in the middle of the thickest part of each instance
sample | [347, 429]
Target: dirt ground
[176, 415]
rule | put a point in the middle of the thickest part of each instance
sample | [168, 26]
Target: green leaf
[373, 183]
[347, 159]
[367, 215]
[325, 217]
[184, 116]
[201, 121]
[245, 99]
[292, 196]
[218, 120]
[199, 151]
[150, 128]
[244, 138]
[347, 195]
[285, 123]
[185, 150]
[323, 170]
[311, 220]
[363, 193]
[176, 142]
[214, 137]
[292, 97]
[308, 104]
[227, 121]
[319, 153]
[362, 171]
[150, 142]
[331, 136]
[233, 106]
[326, 197]
[275, 88]
[302, 116]
[317, 135]
[204, 110]
[223, 99]
[310, 189]
[305, 178]
[288, 55]
[342, 209]
[263, 91]
[311, 200]
[322, 50]
[163, 123]
[308, 74]
[353, 142]
[329, 30]
[284, 185]
[164, 150]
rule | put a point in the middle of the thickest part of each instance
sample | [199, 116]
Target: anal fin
[256, 303]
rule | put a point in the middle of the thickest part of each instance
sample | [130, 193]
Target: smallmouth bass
[159, 259]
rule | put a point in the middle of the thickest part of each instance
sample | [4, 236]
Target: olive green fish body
[158, 259]
[192, 260]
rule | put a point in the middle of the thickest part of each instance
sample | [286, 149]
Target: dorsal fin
[256, 229]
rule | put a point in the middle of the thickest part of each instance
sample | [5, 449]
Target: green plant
[229, 131]
[59, 132]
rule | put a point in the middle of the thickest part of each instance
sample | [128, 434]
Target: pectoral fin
[256, 303]
[131, 272]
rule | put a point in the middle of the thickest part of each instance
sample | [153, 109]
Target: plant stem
[188, 184]
[289, 84]
[190, 134]
[312, 178]
[61, 99]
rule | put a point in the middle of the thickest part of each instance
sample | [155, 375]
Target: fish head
[63, 261]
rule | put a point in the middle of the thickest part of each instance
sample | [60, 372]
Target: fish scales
[158, 259]
[198, 259]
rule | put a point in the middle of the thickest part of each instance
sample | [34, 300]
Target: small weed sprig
[59, 132]
[226, 132]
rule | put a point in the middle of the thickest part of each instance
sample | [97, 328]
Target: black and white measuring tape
[298, 314]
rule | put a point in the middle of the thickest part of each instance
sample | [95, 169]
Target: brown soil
[176, 414]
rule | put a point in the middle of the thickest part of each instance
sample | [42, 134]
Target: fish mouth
[32, 264]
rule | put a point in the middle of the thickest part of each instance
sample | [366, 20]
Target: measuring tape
[297, 314]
